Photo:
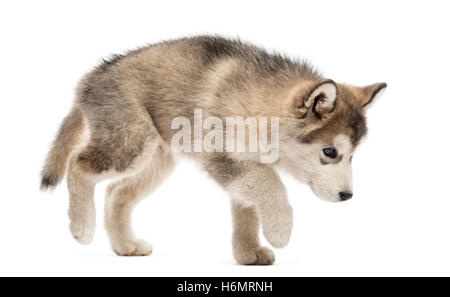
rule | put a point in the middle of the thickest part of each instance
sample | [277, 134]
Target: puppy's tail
[67, 138]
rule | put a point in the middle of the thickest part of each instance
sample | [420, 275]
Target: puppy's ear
[316, 99]
[370, 94]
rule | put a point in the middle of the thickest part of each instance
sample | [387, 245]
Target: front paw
[132, 247]
[277, 227]
[254, 256]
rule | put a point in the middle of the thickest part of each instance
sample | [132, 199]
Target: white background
[398, 223]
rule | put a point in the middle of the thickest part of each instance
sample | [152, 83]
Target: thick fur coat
[120, 127]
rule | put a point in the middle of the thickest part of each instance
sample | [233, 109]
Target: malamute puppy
[122, 126]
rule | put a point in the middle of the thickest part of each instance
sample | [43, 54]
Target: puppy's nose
[345, 196]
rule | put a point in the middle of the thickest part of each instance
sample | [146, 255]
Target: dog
[121, 127]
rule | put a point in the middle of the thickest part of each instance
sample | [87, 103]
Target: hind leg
[122, 197]
[81, 204]
[114, 149]
[81, 181]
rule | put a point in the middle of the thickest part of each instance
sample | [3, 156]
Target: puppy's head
[326, 123]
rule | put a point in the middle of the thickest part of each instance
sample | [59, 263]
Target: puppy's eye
[330, 152]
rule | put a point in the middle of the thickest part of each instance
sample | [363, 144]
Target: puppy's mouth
[321, 195]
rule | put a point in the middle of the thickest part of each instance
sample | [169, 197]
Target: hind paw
[136, 247]
[82, 219]
[82, 231]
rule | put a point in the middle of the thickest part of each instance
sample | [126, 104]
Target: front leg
[247, 249]
[258, 186]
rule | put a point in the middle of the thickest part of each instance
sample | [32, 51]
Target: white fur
[303, 162]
